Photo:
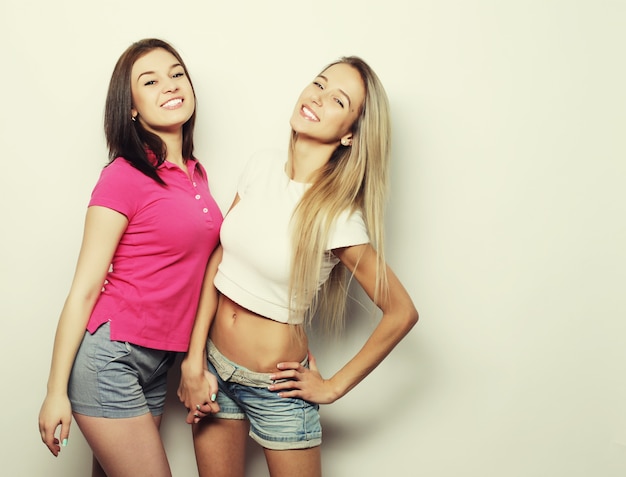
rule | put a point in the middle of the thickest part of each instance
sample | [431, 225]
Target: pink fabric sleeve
[117, 188]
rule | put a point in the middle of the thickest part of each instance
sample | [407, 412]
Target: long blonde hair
[355, 178]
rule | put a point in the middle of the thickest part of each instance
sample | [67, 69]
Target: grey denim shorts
[117, 379]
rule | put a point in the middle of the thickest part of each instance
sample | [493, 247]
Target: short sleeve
[116, 188]
[247, 175]
[349, 229]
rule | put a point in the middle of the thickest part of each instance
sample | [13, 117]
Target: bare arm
[206, 311]
[103, 229]
[197, 386]
[398, 318]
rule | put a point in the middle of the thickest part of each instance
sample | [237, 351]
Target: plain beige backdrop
[506, 219]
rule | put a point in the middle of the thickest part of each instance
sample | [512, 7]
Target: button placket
[205, 210]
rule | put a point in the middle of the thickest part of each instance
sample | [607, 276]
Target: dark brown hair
[127, 138]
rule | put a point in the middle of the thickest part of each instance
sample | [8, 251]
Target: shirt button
[205, 210]
[197, 196]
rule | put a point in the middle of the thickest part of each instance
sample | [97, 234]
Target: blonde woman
[298, 223]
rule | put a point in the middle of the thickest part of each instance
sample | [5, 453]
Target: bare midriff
[253, 341]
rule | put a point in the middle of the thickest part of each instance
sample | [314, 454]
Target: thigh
[126, 447]
[300, 462]
[220, 446]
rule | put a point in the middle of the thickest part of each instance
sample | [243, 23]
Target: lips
[307, 113]
[172, 103]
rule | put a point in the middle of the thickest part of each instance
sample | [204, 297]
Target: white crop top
[255, 236]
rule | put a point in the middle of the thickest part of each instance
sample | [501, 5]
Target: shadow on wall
[376, 405]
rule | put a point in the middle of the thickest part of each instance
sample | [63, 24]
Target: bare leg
[220, 446]
[126, 447]
[300, 462]
[96, 468]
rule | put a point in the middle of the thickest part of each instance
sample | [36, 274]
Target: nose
[316, 98]
[169, 86]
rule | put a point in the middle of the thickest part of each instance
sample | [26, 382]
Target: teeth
[308, 113]
[172, 102]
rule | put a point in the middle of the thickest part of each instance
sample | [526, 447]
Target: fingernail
[213, 397]
[64, 443]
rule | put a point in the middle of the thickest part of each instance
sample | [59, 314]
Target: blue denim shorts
[116, 379]
[275, 423]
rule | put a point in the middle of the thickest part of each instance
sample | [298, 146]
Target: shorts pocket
[107, 351]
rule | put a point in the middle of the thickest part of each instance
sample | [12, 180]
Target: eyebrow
[175, 65]
[340, 90]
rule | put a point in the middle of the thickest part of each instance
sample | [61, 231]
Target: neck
[307, 157]
[174, 144]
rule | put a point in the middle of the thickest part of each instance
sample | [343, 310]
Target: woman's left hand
[304, 383]
[197, 391]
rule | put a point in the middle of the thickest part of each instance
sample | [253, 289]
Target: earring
[133, 118]
[345, 142]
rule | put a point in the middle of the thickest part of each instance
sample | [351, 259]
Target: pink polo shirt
[153, 286]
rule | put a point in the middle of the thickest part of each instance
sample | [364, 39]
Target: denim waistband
[232, 372]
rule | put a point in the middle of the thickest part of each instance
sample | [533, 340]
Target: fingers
[289, 383]
[193, 417]
[295, 365]
[54, 447]
[290, 372]
[48, 438]
[207, 404]
[290, 369]
[200, 411]
[302, 382]
[65, 433]
[199, 396]
[52, 444]
[213, 390]
[55, 414]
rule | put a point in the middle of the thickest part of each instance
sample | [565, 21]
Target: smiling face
[163, 98]
[327, 108]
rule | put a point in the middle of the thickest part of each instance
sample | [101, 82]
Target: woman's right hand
[197, 391]
[55, 411]
[103, 229]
